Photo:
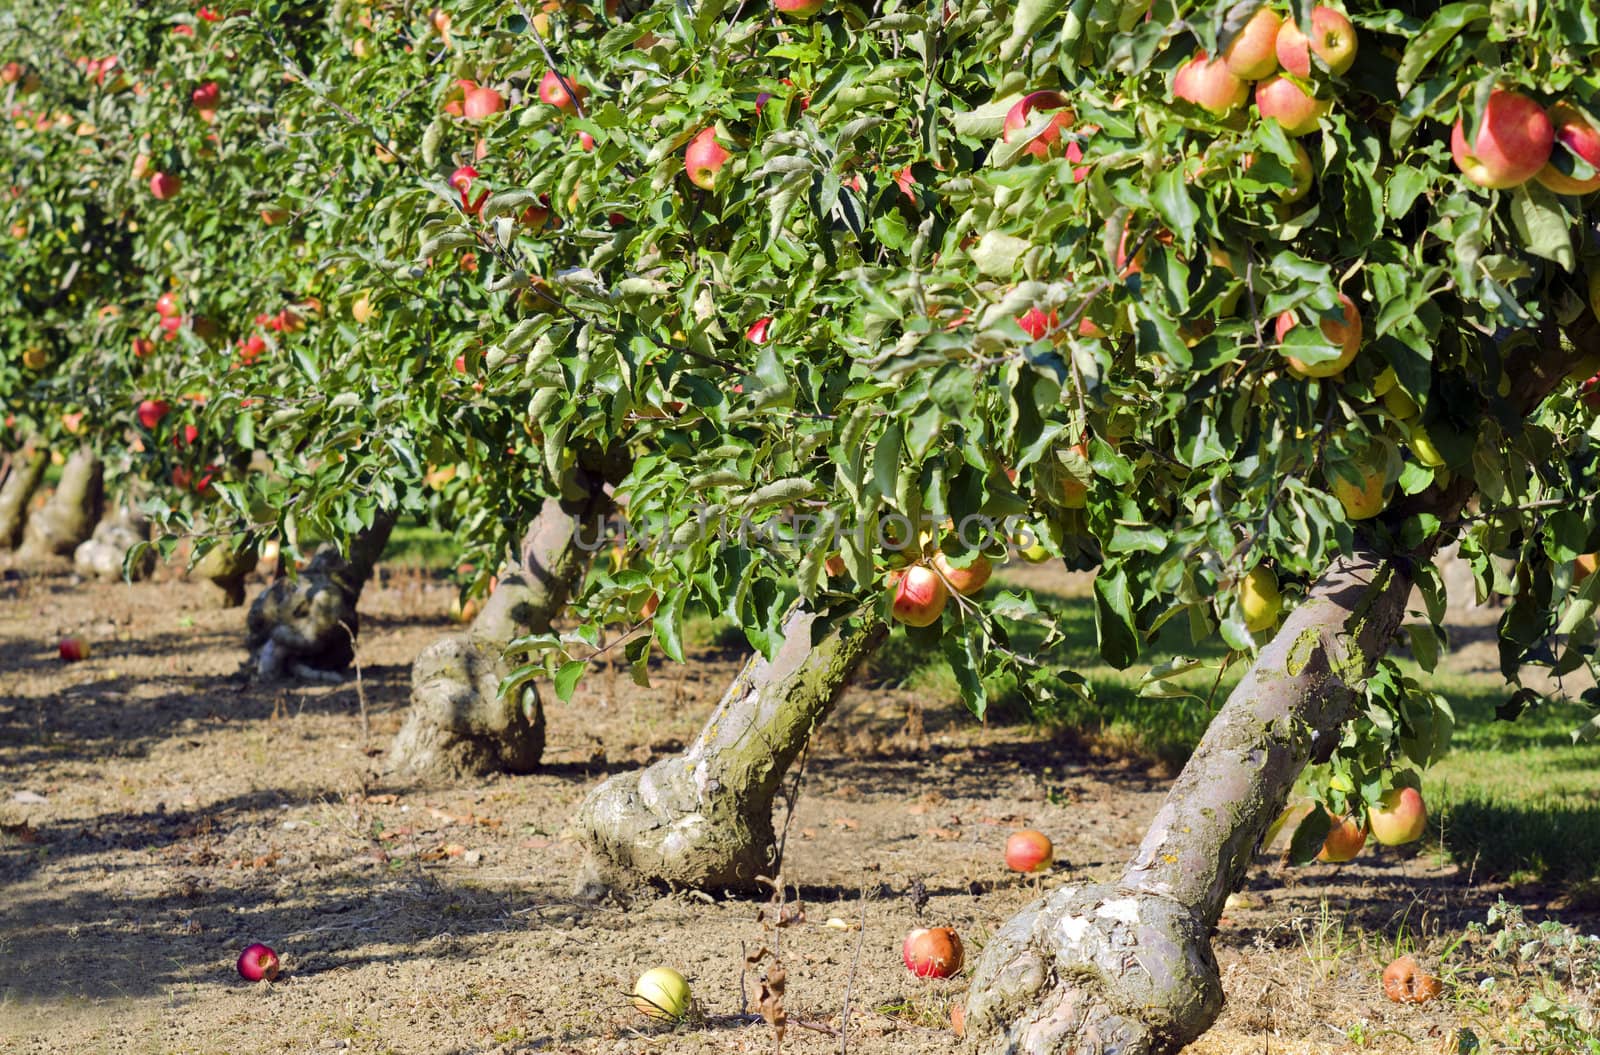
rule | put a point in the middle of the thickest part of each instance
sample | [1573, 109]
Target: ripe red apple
[10, 73]
[1574, 134]
[798, 8]
[1210, 85]
[1345, 333]
[1333, 38]
[1511, 144]
[207, 96]
[760, 331]
[480, 102]
[73, 649]
[1251, 54]
[554, 92]
[918, 596]
[1036, 323]
[142, 347]
[258, 961]
[1344, 840]
[270, 217]
[1405, 982]
[586, 142]
[932, 952]
[151, 411]
[965, 581]
[167, 305]
[704, 159]
[1399, 818]
[165, 186]
[1048, 139]
[1280, 99]
[1029, 851]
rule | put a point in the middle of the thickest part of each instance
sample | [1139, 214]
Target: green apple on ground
[662, 993]
[1400, 817]
[1511, 143]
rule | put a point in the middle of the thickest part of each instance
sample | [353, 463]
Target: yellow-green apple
[35, 358]
[705, 159]
[1400, 817]
[917, 596]
[165, 186]
[1296, 111]
[1333, 38]
[1259, 599]
[1210, 85]
[1577, 137]
[361, 309]
[1365, 499]
[1344, 840]
[799, 8]
[661, 993]
[554, 90]
[968, 580]
[1029, 851]
[480, 102]
[1511, 143]
[1344, 332]
[932, 952]
[1252, 53]
[1422, 446]
[1047, 140]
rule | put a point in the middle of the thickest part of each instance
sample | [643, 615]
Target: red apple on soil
[1029, 851]
[1346, 334]
[919, 596]
[258, 962]
[1405, 982]
[1344, 841]
[1333, 38]
[704, 159]
[1510, 145]
[1400, 817]
[1048, 139]
[1251, 54]
[1210, 85]
[480, 102]
[165, 186]
[1280, 99]
[1577, 136]
[73, 649]
[207, 96]
[932, 952]
[151, 411]
[553, 90]
[965, 581]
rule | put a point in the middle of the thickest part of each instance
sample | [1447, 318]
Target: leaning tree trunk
[307, 625]
[704, 818]
[458, 724]
[1127, 967]
[21, 481]
[72, 512]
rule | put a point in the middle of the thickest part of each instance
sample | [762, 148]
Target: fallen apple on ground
[661, 993]
[258, 961]
[1029, 851]
[73, 650]
[1405, 982]
[932, 952]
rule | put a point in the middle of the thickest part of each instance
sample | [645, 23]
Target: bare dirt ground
[160, 812]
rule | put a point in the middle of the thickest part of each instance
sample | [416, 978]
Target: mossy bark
[704, 818]
[458, 724]
[306, 625]
[1127, 967]
[21, 481]
[70, 515]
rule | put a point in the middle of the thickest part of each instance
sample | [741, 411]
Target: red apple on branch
[151, 411]
[1511, 143]
[918, 596]
[1036, 323]
[1344, 840]
[1298, 112]
[1332, 37]
[1577, 137]
[480, 103]
[965, 581]
[165, 186]
[207, 96]
[1399, 818]
[705, 159]
[799, 8]
[1345, 332]
[1046, 140]
[554, 90]
[1251, 54]
[1210, 85]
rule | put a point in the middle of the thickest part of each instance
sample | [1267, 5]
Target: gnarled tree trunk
[226, 569]
[72, 512]
[1127, 967]
[104, 555]
[458, 724]
[306, 625]
[704, 818]
[21, 481]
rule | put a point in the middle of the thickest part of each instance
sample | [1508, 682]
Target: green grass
[417, 544]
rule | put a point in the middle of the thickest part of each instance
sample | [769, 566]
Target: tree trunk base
[27, 470]
[458, 726]
[1094, 970]
[225, 569]
[69, 517]
[104, 555]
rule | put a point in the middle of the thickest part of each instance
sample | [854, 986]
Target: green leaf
[567, 677]
[1113, 617]
[1544, 225]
